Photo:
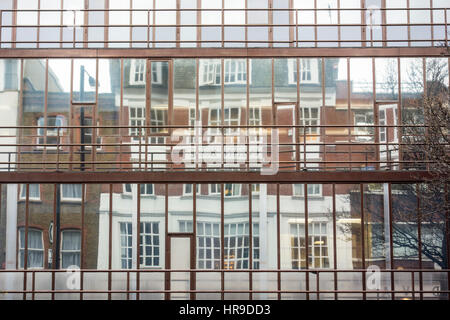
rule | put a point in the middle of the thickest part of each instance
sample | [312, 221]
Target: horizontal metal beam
[215, 177]
[225, 52]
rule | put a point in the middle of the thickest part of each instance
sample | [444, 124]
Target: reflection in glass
[257, 17]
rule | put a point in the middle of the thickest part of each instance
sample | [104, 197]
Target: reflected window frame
[21, 251]
[72, 251]
[23, 195]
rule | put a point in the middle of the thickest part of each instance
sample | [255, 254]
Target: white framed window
[255, 188]
[214, 188]
[232, 189]
[187, 189]
[52, 133]
[209, 72]
[147, 189]
[309, 71]
[158, 117]
[313, 190]
[126, 245]
[70, 248]
[363, 118]
[208, 245]
[149, 244]
[88, 135]
[317, 245]
[137, 72]
[137, 119]
[34, 192]
[382, 123]
[237, 246]
[157, 72]
[310, 118]
[292, 71]
[35, 259]
[71, 192]
[232, 117]
[235, 71]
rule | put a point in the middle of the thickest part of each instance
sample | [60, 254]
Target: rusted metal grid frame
[193, 270]
[57, 162]
[293, 23]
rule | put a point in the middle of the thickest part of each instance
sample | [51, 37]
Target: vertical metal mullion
[14, 24]
[270, 44]
[86, 23]
[246, 27]
[106, 28]
[55, 194]
[432, 22]
[198, 28]
[364, 23]
[39, 23]
[305, 192]
[339, 21]
[154, 22]
[71, 111]
[408, 16]
[44, 152]
[122, 117]
[349, 111]
[193, 279]
[247, 106]
[25, 253]
[391, 248]
[278, 243]
[197, 115]
[147, 110]
[83, 234]
[399, 117]
[20, 114]
[167, 244]
[297, 117]
[222, 115]
[334, 243]
[376, 114]
[363, 243]
[94, 118]
[61, 22]
[419, 239]
[178, 22]
[222, 242]
[110, 242]
[138, 242]
[291, 22]
[223, 24]
[315, 23]
[130, 45]
[383, 23]
[250, 238]
[323, 113]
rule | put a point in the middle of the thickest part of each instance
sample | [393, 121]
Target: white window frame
[158, 118]
[22, 263]
[238, 71]
[97, 135]
[51, 132]
[231, 262]
[23, 195]
[68, 251]
[127, 235]
[307, 122]
[138, 68]
[142, 194]
[142, 251]
[309, 71]
[362, 133]
[317, 190]
[312, 244]
[138, 121]
[236, 190]
[202, 235]
[208, 70]
[156, 73]
[197, 191]
[65, 199]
